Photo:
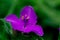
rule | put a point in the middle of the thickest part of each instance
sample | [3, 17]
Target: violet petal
[11, 18]
[38, 30]
[34, 28]
[16, 24]
[28, 29]
[18, 27]
[29, 11]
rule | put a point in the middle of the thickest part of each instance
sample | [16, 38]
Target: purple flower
[27, 21]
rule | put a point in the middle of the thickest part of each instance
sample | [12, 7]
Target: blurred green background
[48, 12]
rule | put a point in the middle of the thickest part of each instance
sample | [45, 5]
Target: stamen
[22, 17]
[27, 17]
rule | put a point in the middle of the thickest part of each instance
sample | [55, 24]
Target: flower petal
[28, 29]
[15, 22]
[29, 11]
[18, 26]
[11, 18]
[34, 28]
[38, 30]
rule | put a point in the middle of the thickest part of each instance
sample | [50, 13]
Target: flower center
[25, 18]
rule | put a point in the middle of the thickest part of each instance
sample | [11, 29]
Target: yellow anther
[22, 17]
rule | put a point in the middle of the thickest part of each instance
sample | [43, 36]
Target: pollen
[22, 17]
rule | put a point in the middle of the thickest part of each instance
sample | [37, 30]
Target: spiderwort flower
[27, 21]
